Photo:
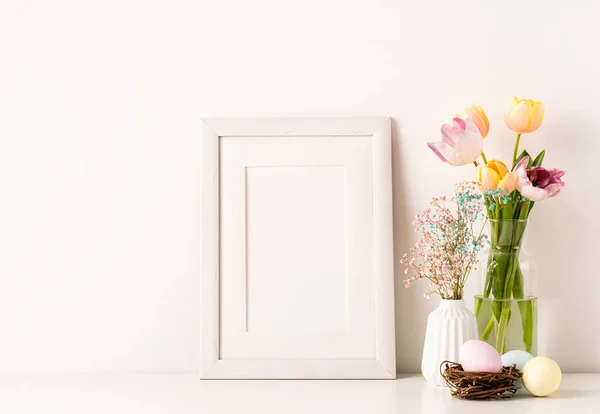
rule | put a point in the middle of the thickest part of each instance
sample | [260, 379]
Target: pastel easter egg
[541, 376]
[479, 356]
[517, 357]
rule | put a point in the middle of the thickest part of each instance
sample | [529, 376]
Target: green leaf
[527, 206]
[530, 205]
[520, 157]
[538, 160]
[507, 211]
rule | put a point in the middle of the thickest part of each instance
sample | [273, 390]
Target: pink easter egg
[479, 356]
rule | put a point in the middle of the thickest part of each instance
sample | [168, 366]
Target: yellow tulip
[477, 115]
[490, 175]
[524, 115]
[508, 183]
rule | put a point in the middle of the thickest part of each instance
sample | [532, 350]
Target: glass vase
[505, 305]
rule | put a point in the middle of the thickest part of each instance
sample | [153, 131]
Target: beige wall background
[99, 154]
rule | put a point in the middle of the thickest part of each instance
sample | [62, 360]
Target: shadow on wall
[410, 331]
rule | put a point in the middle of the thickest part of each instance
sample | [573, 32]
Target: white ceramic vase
[448, 327]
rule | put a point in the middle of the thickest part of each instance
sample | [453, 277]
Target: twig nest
[480, 385]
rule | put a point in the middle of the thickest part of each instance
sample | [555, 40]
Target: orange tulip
[490, 175]
[509, 182]
[477, 115]
[524, 115]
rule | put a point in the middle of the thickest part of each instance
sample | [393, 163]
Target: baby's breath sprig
[498, 199]
[447, 250]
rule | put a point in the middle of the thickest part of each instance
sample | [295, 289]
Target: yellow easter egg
[541, 376]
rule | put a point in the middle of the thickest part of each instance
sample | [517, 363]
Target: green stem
[514, 161]
[505, 306]
[483, 157]
[478, 302]
[525, 309]
[502, 327]
[529, 326]
[488, 329]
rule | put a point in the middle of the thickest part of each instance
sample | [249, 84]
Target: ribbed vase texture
[448, 327]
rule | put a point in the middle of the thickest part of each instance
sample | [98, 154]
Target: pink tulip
[538, 183]
[461, 143]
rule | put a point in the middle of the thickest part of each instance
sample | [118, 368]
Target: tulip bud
[490, 175]
[461, 142]
[524, 116]
[509, 182]
[477, 115]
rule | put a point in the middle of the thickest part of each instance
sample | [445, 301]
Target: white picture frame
[352, 152]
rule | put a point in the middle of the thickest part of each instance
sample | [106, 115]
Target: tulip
[538, 183]
[461, 143]
[490, 175]
[477, 115]
[524, 116]
[509, 182]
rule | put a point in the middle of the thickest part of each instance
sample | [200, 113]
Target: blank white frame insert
[303, 202]
[297, 255]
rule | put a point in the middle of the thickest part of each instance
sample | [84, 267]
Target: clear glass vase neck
[507, 235]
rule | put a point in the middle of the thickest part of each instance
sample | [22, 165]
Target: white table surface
[185, 393]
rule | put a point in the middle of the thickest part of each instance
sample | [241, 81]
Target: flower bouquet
[510, 195]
